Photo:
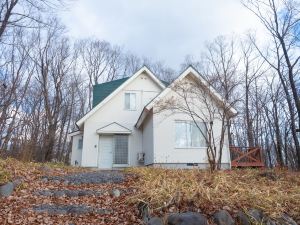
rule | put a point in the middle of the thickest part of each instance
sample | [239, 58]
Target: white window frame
[188, 147]
[133, 108]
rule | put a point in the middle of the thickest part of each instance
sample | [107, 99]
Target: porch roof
[113, 128]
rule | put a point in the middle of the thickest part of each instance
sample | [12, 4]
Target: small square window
[130, 101]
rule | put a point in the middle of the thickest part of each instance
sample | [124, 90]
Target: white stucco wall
[165, 150]
[113, 111]
[148, 140]
[76, 153]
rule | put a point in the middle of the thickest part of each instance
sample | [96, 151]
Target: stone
[84, 193]
[56, 181]
[98, 177]
[71, 193]
[45, 169]
[256, 215]
[59, 194]
[17, 182]
[44, 179]
[242, 218]
[287, 220]
[268, 221]
[65, 209]
[68, 193]
[6, 189]
[144, 211]
[102, 211]
[222, 217]
[155, 221]
[187, 218]
[116, 193]
[44, 193]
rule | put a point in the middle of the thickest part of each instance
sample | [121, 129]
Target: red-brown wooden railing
[246, 157]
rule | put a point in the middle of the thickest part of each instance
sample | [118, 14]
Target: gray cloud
[159, 29]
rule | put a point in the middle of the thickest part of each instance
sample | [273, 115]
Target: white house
[123, 130]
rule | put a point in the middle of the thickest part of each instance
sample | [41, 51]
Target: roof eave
[142, 117]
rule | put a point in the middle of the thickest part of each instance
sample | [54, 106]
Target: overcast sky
[164, 30]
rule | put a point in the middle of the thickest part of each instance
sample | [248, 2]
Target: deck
[246, 157]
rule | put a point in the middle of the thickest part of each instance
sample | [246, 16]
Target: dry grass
[5, 176]
[11, 169]
[273, 192]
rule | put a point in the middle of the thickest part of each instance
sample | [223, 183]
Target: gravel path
[64, 209]
[68, 193]
[98, 177]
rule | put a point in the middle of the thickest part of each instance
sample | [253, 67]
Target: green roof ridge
[101, 91]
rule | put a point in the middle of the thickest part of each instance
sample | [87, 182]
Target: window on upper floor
[188, 135]
[130, 101]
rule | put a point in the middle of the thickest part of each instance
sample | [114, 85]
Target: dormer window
[130, 101]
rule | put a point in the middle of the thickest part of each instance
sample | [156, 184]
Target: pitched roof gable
[80, 122]
[189, 70]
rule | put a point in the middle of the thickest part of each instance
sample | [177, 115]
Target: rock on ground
[242, 218]
[17, 182]
[155, 221]
[46, 169]
[286, 220]
[188, 218]
[68, 193]
[222, 217]
[6, 189]
[90, 178]
[256, 215]
[144, 211]
[66, 209]
[116, 193]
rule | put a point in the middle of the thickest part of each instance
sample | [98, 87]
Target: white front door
[105, 156]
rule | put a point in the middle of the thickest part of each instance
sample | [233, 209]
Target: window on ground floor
[80, 143]
[121, 149]
[188, 135]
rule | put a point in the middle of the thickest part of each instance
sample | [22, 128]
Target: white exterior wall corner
[148, 139]
[114, 111]
[76, 154]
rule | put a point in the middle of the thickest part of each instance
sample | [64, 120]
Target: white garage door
[105, 156]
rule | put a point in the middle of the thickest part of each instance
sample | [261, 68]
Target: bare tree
[101, 62]
[222, 70]
[282, 20]
[52, 62]
[252, 69]
[24, 13]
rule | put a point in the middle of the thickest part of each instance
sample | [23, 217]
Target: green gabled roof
[101, 91]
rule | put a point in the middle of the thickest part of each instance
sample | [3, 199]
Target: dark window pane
[121, 149]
